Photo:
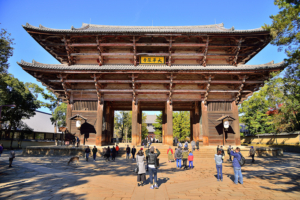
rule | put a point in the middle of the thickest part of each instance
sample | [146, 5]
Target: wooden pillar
[168, 139]
[164, 123]
[68, 116]
[107, 122]
[236, 124]
[111, 124]
[139, 124]
[205, 124]
[191, 125]
[134, 127]
[196, 124]
[99, 124]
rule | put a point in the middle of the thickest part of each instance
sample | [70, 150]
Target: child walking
[191, 159]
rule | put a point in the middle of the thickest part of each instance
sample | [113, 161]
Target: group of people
[108, 153]
[132, 151]
[237, 166]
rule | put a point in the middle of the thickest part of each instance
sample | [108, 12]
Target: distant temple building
[201, 69]
[150, 120]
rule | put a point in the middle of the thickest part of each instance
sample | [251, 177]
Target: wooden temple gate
[200, 69]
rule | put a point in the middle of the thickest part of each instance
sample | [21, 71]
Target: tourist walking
[87, 153]
[191, 160]
[1, 149]
[178, 157]
[175, 141]
[228, 152]
[113, 153]
[94, 150]
[78, 141]
[219, 161]
[185, 155]
[152, 166]
[218, 148]
[127, 152]
[11, 157]
[133, 151]
[193, 143]
[117, 150]
[197, 145]
[170, 154]
[236, 166]
[141, 176]
[252, 153]
[186, 144]
[222, 151]
[107, 154]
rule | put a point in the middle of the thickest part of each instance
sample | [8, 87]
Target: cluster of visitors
[184, 155]
[109, 153]
[132, 151]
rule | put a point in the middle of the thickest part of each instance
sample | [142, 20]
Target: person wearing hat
[252, 153]
[153, 165]
[141, 176]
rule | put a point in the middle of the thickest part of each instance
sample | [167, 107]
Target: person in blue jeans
[236, 166]
[219, 161]
[178, 157]
[152, 165]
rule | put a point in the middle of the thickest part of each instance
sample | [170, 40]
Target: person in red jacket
[117, 149]
[191, 159]
[170, 154]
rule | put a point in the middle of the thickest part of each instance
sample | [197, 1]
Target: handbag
[136, 169]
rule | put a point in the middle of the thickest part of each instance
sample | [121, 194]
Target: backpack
[178, 154]
[170, 152]
[242, 161]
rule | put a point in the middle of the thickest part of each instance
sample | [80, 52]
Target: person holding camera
[153, 165]
[236, 166]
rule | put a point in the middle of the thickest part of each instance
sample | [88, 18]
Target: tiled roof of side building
[91, 28]
[37, 65]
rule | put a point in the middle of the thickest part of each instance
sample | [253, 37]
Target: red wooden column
[99, 124]
[111, 124]
[168, 136]
[134, 128]
[164, 124]
[236, 124]
[191, 125]
[204, 124]
[107, 122]
[139, 124]
[196, 124]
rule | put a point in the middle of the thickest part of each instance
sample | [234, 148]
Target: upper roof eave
[103, 68]
[89, 28]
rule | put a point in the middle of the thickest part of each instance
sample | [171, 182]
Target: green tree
[123, 123]
[285, 34]
[144, 126]
[158, 126]
[181, 125]
[15, 92]
[6, 50]
[59, 115]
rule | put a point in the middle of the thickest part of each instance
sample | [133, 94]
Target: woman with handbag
[140, 168]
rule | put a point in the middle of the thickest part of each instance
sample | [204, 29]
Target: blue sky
[63, 14]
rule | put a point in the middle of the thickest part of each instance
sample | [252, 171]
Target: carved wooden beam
[207, 89]
[133, 87]
[97, 86]
[238, 97]
[205, 52]
[68, 51]
[171, 88]
[100, 51]
[237, 52]
[134, 52]
[65, 89]
[170, 52]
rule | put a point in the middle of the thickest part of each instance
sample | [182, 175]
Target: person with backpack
[252, 153]
[141, 176]
[153, 165]
[178, 157]
[94, 150]
[237, 163]
[191, 159]
[185, 156]
[219, 161]
[87, 153]
[228, 152]
[170, 154]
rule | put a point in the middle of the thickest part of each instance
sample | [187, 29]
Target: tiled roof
[91, 28]
[38, 65]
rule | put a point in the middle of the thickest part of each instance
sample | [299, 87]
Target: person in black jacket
[127, 152]
[113, 153]
[87, 153]
[152, 165]
[133, 151]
